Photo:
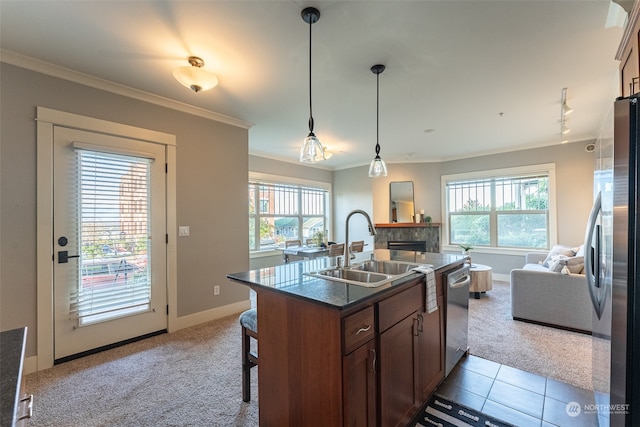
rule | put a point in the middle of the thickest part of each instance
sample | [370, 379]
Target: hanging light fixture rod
[377, 69]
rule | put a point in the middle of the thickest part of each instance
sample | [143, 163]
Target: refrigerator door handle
[592, 264]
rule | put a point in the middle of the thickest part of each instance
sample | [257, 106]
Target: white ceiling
[463, 78]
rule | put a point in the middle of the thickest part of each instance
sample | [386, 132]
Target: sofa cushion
[556, 252]
[535, 267]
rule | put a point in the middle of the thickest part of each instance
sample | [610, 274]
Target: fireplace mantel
[408, 225]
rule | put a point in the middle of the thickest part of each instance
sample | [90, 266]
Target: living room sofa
[540, 294]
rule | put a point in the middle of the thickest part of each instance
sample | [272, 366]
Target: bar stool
[249, 323]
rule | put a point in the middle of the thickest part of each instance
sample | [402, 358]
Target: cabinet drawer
[394, 309]
[357, 329]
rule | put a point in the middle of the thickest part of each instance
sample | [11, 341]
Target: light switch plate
[183, 230]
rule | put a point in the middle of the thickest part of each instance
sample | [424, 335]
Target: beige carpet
[188, 378]
[192, 377]
[550, 352]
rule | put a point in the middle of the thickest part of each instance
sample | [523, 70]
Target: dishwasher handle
[464, 281]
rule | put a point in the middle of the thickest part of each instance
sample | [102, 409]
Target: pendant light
[312, 150]
[378, 167]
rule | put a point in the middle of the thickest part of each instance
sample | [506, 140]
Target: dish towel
[431, 299]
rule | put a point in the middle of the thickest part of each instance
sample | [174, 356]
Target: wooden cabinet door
[430, 366]
[398, 356]
[359, 386]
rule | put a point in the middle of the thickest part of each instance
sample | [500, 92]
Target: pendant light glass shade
[378, 167]
[312, 150]
[195, 77]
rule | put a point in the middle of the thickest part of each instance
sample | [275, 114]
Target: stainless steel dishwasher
[457, 321]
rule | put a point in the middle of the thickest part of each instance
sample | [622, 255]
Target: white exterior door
[109, 232]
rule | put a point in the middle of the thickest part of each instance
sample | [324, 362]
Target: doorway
[109, 252]
[106, 203]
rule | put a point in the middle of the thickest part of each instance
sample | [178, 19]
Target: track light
[565, 110]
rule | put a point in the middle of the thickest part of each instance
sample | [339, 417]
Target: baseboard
[551, 325]
[208, 315]
[501, 277]
[30, 365]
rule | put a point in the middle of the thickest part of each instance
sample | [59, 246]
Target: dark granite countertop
[12, 344]
[294, 279]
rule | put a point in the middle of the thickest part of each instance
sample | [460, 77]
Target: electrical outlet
[216, 290]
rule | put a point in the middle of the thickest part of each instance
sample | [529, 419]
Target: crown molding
[628, 31]
[39, 66]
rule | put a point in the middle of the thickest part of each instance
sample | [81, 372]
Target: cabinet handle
[416, 327]
[363, 329]
[373, 360]
[29, 407]
[420, 323]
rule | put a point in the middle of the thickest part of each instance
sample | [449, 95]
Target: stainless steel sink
[359, 276]
[386, 267]
[369, 273]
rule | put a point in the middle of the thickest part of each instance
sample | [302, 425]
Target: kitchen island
[333, 354]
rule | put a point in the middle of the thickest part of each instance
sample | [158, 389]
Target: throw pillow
[555, 253]
[579, 250]
[575, 264]
[566, 265]
[556, 265]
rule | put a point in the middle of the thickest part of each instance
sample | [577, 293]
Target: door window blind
[113, 212]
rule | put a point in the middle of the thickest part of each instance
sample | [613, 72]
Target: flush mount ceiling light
[377, 167]
[312, 150]
[195, 77]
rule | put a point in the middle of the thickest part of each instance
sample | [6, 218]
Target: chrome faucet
[347, 247]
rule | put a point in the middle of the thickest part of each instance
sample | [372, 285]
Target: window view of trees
[499, 212]
[279, 212]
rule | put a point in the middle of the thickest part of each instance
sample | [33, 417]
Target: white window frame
[548, 169]
[286, 180]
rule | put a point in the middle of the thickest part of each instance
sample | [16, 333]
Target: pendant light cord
[377, 115]
[310, 103]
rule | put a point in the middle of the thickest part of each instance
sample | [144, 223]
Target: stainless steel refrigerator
[612, 267]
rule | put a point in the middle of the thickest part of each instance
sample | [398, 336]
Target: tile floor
[517, 397]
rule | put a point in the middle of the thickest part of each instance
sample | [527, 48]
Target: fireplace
[407, 245]
[421, 237]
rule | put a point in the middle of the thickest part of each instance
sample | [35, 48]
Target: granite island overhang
[296, 279]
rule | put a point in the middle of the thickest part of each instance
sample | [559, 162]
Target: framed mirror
[401, 207]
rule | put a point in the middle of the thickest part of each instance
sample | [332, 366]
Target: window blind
[113, 225]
